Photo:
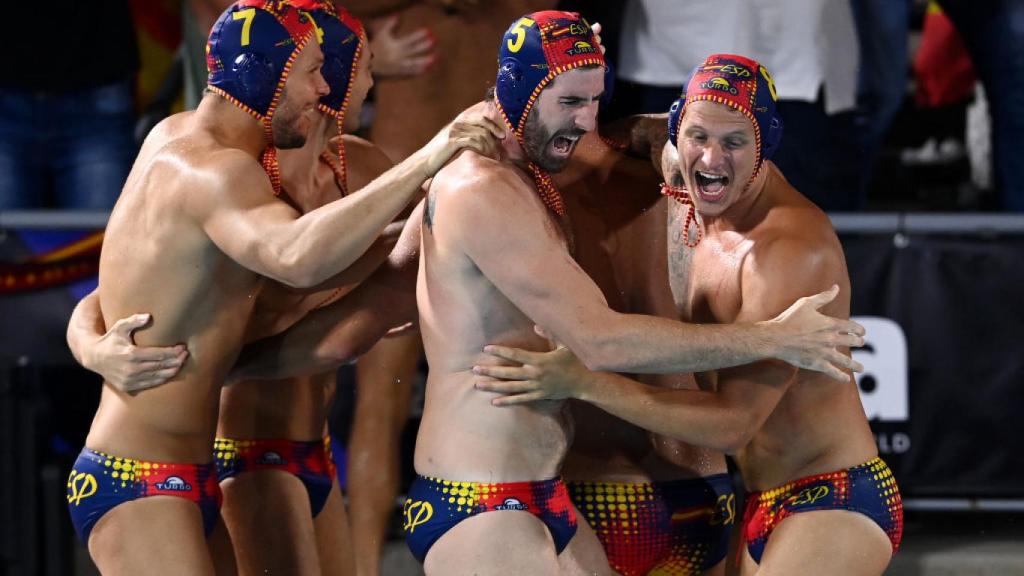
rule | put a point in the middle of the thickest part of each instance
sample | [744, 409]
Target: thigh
[584, 555]
[826, 542]
[222, 550]
[505, 543]
[334, 536]
[155, 535]
[268, 515]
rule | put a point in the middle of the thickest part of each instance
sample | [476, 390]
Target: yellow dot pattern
[869, 489]
[644, 532]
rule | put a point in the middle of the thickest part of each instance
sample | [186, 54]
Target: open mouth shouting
[710, 187]
[564, 144]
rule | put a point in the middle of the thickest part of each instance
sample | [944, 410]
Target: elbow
[737, 435]
[333, 354]
[345, 348]
[600, 353]
[296, 271]
[594, 356]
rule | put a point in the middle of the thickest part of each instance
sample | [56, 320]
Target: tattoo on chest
[428, 213]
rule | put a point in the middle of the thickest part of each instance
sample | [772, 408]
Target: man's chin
[552, 164]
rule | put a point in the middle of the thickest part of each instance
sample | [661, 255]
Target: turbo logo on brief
[512, 504]
[423, 513]
[81, 485]
[272, 458]
[174, 484]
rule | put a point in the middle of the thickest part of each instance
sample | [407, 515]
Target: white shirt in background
[805, 44]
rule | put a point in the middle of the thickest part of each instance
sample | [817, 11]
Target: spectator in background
[811, 48]
[994, 35]
[67, 104]
[660, 43]
[882, 27]
[810, 44]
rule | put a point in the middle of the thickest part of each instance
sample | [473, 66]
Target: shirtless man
[494, 261]
[620, 244]
[588, 221]
[409, 110]
[655, 504]
[196, 228]
[821, 501]
[278, 480]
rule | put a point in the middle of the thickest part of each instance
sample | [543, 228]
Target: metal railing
[844, 222]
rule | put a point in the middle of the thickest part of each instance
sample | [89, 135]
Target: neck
[299, 165]
[513, 150]
[231, 125]
[747, 208]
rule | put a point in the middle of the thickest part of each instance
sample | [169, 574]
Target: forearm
[696, 417]
[640, 344]
[360, 270]
[337, 334]
[310, 347]
[85, 327]
[331, 238]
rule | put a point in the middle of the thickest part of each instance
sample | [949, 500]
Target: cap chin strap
[683, 197]
[547, 190]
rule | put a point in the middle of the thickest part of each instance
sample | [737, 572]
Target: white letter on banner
[883, 384]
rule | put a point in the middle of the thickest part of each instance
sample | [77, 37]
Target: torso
[157, 259]
[466, 47]
[295, 408]
[618, 221]
[461, 436]
[819, 425]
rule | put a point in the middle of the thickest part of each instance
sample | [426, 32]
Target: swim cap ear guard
[740, 83]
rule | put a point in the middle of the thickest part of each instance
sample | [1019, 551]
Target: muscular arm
[725, 419]
[113, 355]
[526, 260]
[340, 333]
[269, 237]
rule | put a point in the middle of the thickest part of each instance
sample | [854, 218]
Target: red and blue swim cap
[742, 84]
[341, 40]
[535, 49]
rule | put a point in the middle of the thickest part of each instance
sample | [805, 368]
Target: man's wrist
[766, 341]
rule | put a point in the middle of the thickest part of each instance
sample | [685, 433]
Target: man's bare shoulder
[473, 178]
[363, 155]
[795, 251]
[474, 191]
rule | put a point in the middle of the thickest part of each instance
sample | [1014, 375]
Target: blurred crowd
[887, 104]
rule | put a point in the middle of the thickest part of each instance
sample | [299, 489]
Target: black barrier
[944, 365]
